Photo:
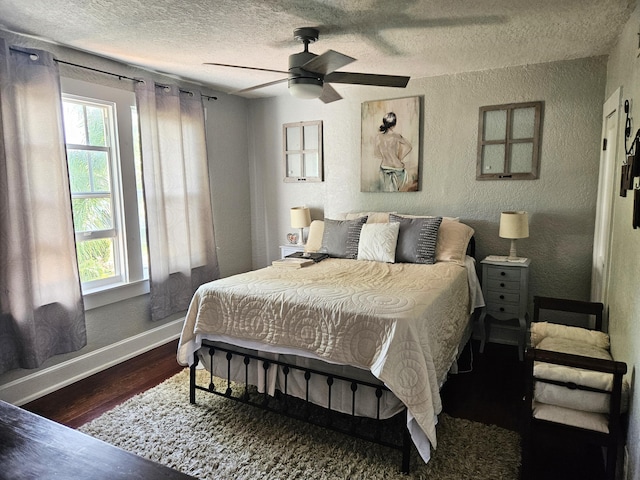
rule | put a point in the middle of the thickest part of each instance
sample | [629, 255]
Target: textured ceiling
[417, 38]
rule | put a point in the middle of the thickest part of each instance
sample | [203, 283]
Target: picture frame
[624, 179]
[390, 145]
[302, 152]
[509, 141]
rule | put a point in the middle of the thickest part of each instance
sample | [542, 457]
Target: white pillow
[378, 242]
[314, 240]
[453, 239]
[406, 215]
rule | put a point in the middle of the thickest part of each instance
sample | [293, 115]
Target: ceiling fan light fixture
[305, 87]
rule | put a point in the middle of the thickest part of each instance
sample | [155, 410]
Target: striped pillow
[417, 239]
[341, 237]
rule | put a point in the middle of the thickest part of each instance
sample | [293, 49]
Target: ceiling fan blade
[244, 90]
[327, 62]
[368, 79]
[329, 94]
[247, 68]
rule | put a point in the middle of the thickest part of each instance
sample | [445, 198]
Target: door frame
[607, 181]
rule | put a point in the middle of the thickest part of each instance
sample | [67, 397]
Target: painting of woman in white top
[389, 133]
[392, 148]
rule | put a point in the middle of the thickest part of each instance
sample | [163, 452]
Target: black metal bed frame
[385, 431]
[403, 443]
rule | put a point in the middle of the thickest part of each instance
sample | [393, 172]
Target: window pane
[310, 137]
[91, 214]
[294, 165]
[74, 126]
[523, 122]
[293, 138]
[100, 172]
[521, 157]
[311, 165]
[78, 161]
[493, 159]
[96, 259]
[96, 126]
[495, 124]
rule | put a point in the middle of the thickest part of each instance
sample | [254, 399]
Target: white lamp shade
[514, 225]
[300, 217]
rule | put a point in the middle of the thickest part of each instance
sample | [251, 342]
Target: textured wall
[624, 299]
[561, 203]
[229, 179]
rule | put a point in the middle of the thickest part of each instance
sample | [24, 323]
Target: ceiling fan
[309, 75]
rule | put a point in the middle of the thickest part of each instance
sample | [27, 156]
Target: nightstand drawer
[502, 285]
[503, 297]
[501, 310]
[507, 273]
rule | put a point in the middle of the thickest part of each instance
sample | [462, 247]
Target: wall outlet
[625, 463]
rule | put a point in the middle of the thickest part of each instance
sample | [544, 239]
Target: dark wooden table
[32, 447]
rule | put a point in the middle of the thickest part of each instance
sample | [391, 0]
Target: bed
[394, 328]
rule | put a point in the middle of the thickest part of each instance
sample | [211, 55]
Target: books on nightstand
[289, 262]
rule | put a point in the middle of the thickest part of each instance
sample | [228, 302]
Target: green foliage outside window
[95, 259]
[91, 187]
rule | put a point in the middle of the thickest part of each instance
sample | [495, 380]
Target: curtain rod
[208, 97]
[120, 77]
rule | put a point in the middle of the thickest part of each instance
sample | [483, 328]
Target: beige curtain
[41, 307]
[182, 254]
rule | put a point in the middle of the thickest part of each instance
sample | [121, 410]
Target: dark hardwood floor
[87, 399]
[491, 393]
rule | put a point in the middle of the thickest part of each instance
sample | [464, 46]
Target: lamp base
[512, 251]
[300, 237]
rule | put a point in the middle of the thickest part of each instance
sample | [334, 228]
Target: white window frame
[131, 278]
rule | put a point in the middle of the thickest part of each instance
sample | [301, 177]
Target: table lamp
[300, 218]
[514, 225]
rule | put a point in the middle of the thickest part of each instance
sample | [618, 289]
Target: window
[106, 192]
[302, 145]
[509, 141]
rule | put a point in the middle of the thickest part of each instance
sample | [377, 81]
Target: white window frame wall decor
[302, 151]
[509, 141]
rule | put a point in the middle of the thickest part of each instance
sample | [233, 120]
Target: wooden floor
[87, 399]
[492, 393]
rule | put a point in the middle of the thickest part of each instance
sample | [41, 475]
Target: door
[606, 195]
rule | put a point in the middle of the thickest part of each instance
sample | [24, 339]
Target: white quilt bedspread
[403, 322]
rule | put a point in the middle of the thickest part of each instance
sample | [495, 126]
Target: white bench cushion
[576, 341]
[568, 416]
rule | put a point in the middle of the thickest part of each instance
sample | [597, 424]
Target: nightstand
[505, 286]
[289, 249]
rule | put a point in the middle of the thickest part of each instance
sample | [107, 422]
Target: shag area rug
[221, 439]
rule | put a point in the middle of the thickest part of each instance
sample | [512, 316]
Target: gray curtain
[182, 253]
[41, 307]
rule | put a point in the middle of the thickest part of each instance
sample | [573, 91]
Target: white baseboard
[42, 382]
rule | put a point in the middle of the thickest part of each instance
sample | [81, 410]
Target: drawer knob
[502, 309]
[501, 297]
[502, 273]
[502, 284]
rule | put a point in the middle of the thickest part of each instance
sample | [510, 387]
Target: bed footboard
[391, 433]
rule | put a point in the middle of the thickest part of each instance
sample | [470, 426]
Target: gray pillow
[341, 237]
[417, 239]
